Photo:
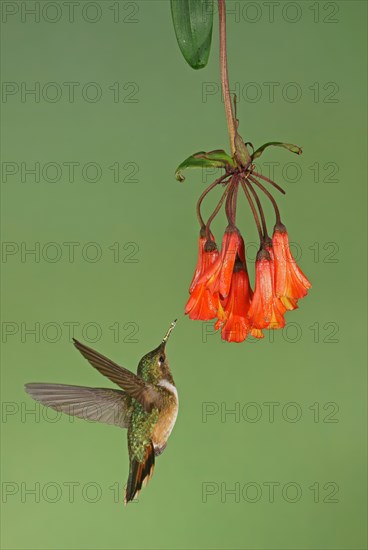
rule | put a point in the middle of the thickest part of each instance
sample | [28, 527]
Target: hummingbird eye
[161, 359]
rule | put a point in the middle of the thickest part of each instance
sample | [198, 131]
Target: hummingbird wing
[144, 392]
[96, 404]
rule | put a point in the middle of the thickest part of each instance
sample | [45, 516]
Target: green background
[320, 360]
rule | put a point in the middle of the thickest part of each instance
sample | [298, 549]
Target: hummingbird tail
[139, 474]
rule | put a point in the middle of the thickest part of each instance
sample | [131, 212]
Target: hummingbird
[147, 405]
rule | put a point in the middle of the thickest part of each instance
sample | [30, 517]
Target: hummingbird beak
[171, 328]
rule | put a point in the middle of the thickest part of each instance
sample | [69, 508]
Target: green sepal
[193, 21]
[213, 159]
[289, 146]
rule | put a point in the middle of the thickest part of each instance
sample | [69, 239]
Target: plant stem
[268, 181]
[225, 77]
[253, 208]
[260, 209]
[215, 212]
[229, 202]
[205, 192]
[266, 192]
[235, 199]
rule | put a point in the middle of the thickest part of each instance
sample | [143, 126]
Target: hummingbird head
[154, 366]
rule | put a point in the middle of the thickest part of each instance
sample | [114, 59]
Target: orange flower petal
[202, 305]
[256, 333]
[218, 276]
[266, 310]
[290, 282]
[235, 325]
[204, 259]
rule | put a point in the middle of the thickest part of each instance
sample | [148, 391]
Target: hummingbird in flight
[147, 405]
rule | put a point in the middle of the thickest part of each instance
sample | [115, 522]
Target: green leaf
[213, 159]
[288, 146]
[193, 28]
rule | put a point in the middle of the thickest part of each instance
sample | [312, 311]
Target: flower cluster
[220, 287]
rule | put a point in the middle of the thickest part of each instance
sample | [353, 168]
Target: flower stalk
[238, 148]
[225, 77]
[220, 288]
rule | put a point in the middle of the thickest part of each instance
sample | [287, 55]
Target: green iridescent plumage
[146, 404]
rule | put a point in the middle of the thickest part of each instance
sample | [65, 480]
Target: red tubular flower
[202, 304]
[205, 257]
[266, 310]
[220, 286]
[233, 318]
[290, 282]
[218, 277]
